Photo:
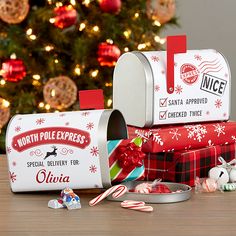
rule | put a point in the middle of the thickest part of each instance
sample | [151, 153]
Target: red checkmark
[162, 115]
[163, 102]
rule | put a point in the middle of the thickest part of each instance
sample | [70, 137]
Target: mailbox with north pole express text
[56, 150]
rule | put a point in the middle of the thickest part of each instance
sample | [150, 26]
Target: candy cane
[117, 191]
[136, 205]
[228, 187]
[127, 203]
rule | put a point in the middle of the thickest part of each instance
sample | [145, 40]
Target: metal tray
[156, 197]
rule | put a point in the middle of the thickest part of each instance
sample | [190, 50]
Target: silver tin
[52, 151]
[140, 90]
[154, 197]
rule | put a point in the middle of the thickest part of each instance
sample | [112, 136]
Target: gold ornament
[60, 92]
[13, 11]
[160, 10]
[4, 112]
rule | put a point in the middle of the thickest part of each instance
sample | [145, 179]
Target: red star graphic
[218, 103]
[93, 169]
[94, 151]
[40, 121]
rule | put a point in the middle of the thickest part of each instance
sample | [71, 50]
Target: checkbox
[163, 102]
[162, 115]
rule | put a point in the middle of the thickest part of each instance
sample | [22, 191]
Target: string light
[50, 2]
[47, 107]
[41, 105]
[52, 20]
[136, 15]
[94, 73]
[36, 83]
[126, 49]
[110, 41]
[109, 102]
[2, 82]
[148, 44]
[5, 103]
[141, 46]
[162, 41]
[48, 48]
[127, 33]
[37, 77]
[32, 37]
[13, 56]
[95, 28]
[156, 23]
[82, 26]
[73, 2]
[86, 3]
[56, 61]
[77, 70]
[56, 111]
[157, 39]
[53, 93]
[108, 84]
[59, 4]
[29, 31]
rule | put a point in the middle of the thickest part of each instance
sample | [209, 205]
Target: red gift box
[184, 166]
[184, 137]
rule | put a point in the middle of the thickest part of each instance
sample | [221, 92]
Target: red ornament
[108, 54]
[130, 156]
[160, 188]
[13, 70]
[110, 6]
[66, 16]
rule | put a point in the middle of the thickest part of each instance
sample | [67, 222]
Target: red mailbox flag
[91, 99]
[175, 44]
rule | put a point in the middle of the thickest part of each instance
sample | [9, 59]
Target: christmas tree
[50, 49]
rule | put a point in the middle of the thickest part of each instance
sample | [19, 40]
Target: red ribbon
[130, 156]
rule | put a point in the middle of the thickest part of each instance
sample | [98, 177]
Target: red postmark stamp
[189, 73]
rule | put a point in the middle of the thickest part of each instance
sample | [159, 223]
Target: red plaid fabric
[184, 166]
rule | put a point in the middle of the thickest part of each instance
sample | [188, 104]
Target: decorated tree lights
[70, 38]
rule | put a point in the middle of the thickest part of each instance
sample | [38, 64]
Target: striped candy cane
[117, 190]
[136, 205]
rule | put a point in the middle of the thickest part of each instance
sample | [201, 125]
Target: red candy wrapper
[184, 166]
[160, 188]
[184, 137]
